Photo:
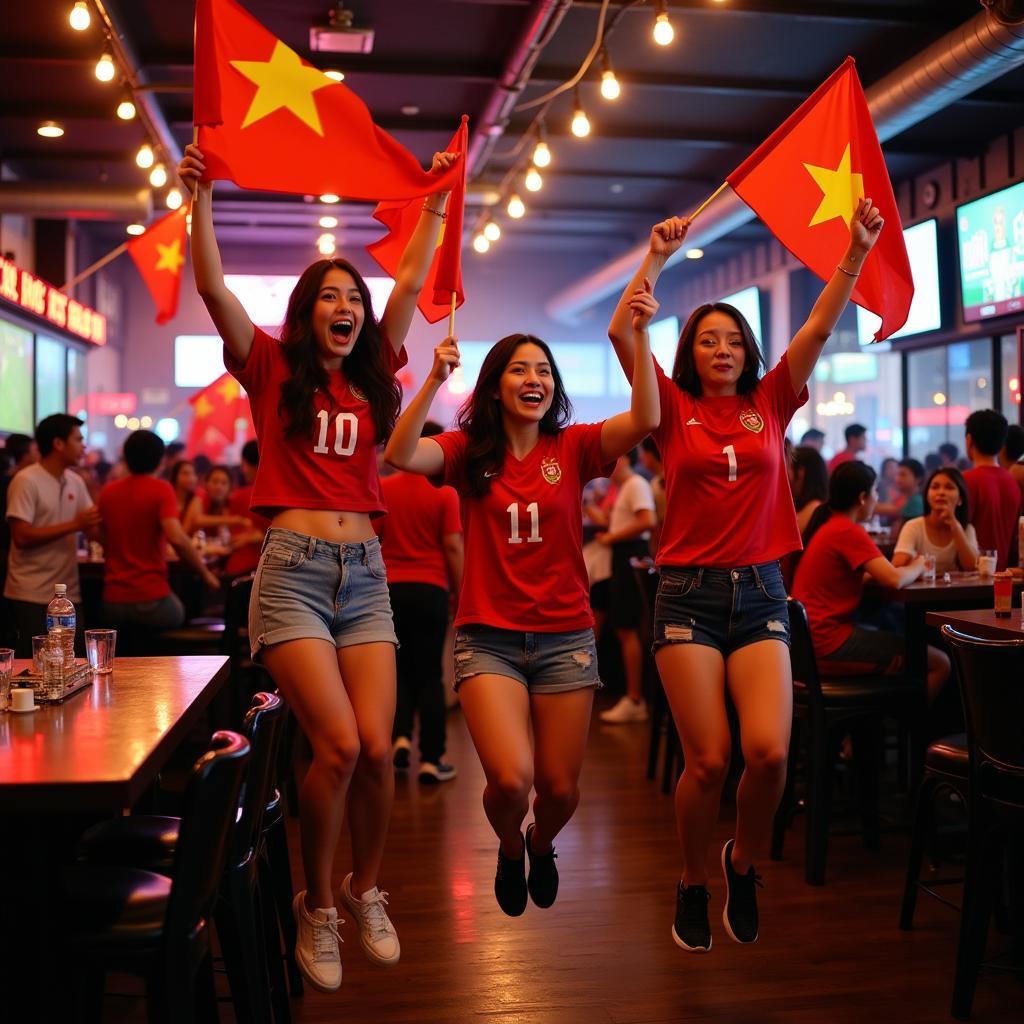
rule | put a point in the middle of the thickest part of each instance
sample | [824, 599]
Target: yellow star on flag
[842, 189]
[171, 257]
[203, 406]
[283, 81]
[229, 390]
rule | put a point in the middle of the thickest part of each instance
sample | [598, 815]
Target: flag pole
[451, 317]
[707, 202]
[93, 267]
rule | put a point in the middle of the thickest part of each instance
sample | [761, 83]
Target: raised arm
[806, 346]
[228, 314]
[406, 449]
[623, 432]
[414, 265]
[666, 238]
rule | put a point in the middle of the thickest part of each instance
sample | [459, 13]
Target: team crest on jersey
[357, 392]
[550, 470]
[751, 419]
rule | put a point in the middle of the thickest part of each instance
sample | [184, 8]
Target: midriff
[340, 527]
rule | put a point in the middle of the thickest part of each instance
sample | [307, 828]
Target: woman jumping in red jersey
[524, 642]
[322, 398]
[720, 618]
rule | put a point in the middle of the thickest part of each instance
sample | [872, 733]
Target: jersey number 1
[730, 453]
[344, 422]
[513, 511]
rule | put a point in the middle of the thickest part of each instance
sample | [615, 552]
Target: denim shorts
[542, 662]
[722, 608]
[307, 588]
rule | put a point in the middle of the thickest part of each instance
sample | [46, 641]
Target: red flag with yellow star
[805, 180]
[160, 256]
[216, 411]
[401, 218]
[268, 120]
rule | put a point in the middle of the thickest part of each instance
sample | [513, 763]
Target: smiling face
[718, 353]
[526, 387]
[337, 317]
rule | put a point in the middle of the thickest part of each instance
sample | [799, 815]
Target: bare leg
[497, 713]
[938, 671]
[694, 680]
[633, 662]
[368, 672]
[561, 725]
[760, 683]
[306, 671]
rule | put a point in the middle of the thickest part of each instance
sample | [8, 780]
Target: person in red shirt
[856, 435]
[524, 645]
[322, 398]
[140, 517]
[721, 619]
[421, 538]
[246, 541]
[830, 583]
[995, 496]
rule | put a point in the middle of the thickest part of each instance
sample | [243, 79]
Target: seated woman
[209, 508]
[809, 483]
[830, 583]
[943, 530]
[184, 480]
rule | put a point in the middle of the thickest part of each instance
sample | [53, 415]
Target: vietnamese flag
[805, 180]
[268, 120]
[215, 414]
[401, 218]
[160, 256]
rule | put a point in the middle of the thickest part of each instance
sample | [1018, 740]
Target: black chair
[827, 709]
[991, 676]
[148, 924]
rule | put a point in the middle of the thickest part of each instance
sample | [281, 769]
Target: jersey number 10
[513, 536]
[344, 423]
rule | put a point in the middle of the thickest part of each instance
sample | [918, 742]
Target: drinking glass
[99, 649]
[929, 568]
[986, 563]
[38, 645]
[6, 668]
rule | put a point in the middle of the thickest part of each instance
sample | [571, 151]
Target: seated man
[140, 515]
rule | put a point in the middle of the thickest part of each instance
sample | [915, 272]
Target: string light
[136, 229]
[580, 122]
[50, 130]
[105, 69]
[533, 181]
[541, 154]
[516, 207]
[663, 32]
[492, 232]
[328, 222]
[610, 88]
[174, 199]
[126, 110]
[480, 242]
[325, 244]
[144, 158]
[158, 176]
[80, 18]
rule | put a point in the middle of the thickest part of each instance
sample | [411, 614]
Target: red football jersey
[728, 501]
[412, 534]
[524, 558]
[994, 506]
[133, 509]
[335, 466]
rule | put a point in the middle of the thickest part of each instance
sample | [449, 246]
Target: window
[198, 360]
[1009, 391]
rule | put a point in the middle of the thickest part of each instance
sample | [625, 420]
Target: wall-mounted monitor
[16, 374]
[925, 310]
[990, 231]
[748, 302]
[51, 377]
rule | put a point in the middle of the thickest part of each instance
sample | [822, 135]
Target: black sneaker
[740, 913]
[543, 878]
[510, 883]
[400, 754]
[432, 772]
[691, 930]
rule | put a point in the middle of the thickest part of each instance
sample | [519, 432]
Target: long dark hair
[812, 484]
[963, 509]
[364, 365]
[480, 415]
[849, 481]
[684, 370]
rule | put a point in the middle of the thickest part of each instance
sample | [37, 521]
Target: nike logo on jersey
[488, 473]
[691, 422]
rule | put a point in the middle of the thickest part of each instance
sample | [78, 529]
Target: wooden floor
[603, 953]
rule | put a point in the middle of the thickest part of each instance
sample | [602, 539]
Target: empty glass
[6, 668]
[929, 569]
[99, 649]
[38, 644]
[986, 563]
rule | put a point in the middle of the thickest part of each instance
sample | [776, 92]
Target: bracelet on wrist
[436, 213]
[848, 273]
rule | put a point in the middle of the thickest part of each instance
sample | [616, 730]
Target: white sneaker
[625, 711]
[376, 932]
[316, 946]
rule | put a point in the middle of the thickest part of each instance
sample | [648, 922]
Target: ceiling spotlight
[328, 222]
[610, 88]
[50, 130]
[663, 33]
[174, 199]
[136, 229]
[492, 232]
[158, 176]
[330, 197]
[516, 207]
[337, 76]
[325, 245]
[533, 181]
[541, 154]
[694, 254]
[480, 242]
[580, 123]
[80, 18]
[105, 69]
[410, 109]
[126, 110]
[144, 158]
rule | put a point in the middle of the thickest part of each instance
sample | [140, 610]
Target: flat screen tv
[990, 231]
[16, 373]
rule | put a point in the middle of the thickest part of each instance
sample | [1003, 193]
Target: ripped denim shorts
[542, 662]
[722, 608]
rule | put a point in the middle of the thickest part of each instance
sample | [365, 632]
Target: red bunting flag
[805, 180]
[269, 120]
[216, 411]
[401, 218]
[159, 254]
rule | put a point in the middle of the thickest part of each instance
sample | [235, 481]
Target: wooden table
[101, 748]
[982, 623]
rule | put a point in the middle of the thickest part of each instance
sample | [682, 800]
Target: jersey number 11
[513, 511]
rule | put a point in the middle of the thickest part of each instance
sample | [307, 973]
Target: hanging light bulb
[50, 130]
[80, 18]
[330, 197]
[533, 181]
[158, 176]
[126, 110]
[694, 254]
[610, 88]
[480, 242]
[325, 244]
[580, 122]
[492, 231]
[144, 158]
[516, 207]
[541, 154]
[105, 69]
[328, 222]
[663, 32]
[174, 199]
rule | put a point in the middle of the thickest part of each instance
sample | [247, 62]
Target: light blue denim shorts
[311, 588]
[542, 662]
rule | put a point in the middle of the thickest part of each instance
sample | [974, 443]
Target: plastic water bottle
[54, 663]
[60, 613]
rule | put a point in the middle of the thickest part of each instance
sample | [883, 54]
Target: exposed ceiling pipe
[75, 201]
[978, 52]
[544, 17]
